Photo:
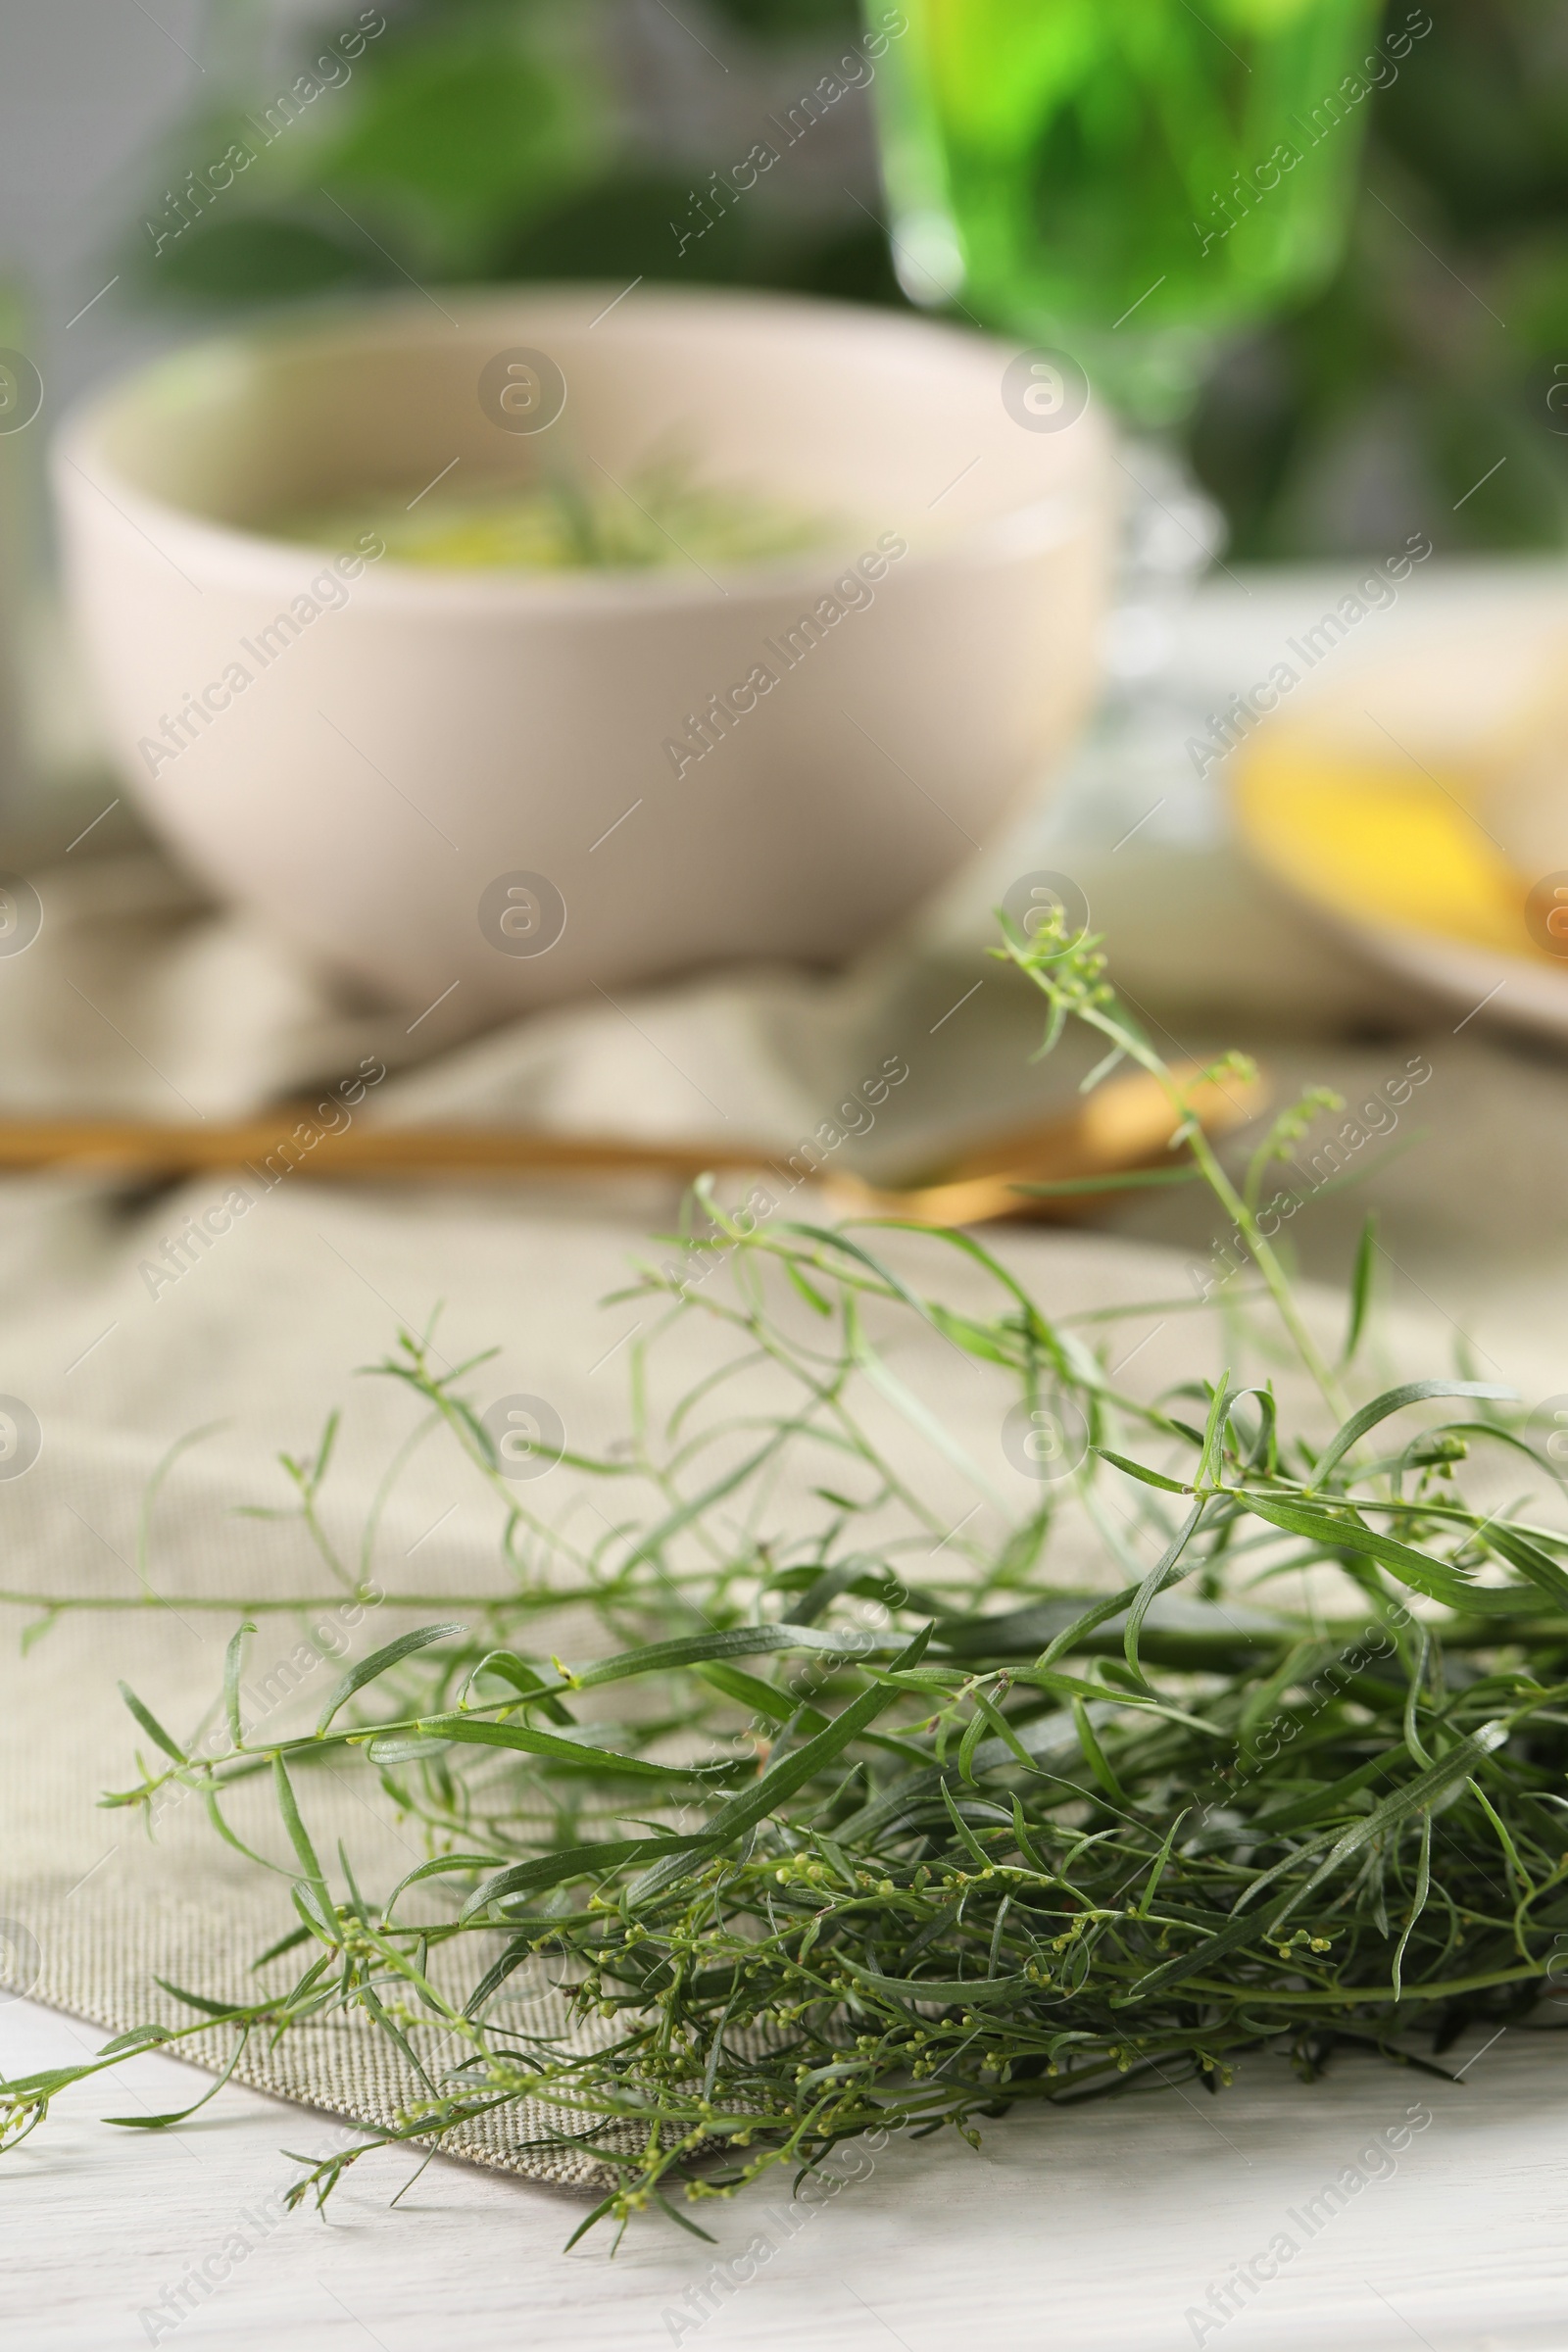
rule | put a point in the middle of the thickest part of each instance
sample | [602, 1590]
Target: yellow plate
[1362, 802]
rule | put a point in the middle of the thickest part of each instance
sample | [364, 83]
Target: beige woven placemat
[97, 1904]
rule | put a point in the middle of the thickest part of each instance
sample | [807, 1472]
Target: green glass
[1132, 179]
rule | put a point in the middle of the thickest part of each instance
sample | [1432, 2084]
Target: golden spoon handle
[1124, 1124]
[153, 1148]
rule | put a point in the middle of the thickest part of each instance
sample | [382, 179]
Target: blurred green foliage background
[475, 139]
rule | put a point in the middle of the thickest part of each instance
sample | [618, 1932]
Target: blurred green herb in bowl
[564, 522]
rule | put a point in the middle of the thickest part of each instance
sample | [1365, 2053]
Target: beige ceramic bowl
[516, 787]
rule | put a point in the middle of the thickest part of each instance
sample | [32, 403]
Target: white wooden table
[1107, 2228]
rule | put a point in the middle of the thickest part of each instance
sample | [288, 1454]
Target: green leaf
[316, 1912]
[597, 1860]
[233, 1666]
[1095, 1754]
[441, 1866]
[160, 2123]
[1167, 1570]
[808, 1289]
[1151, 1478]
[470, 1730]
[214, 1814]
[298, 1837]
[1393, 1400]
[1528, 1559]
[1361, 1286]
[403, 1748]
[1263, 1456]
[969, 1744]
[1418, 1903]
[151, 1725]
[966, 1837]
[197, 2000]
[739, 1641]
[34, 1634]
[975, 1339]
[1214, 1432]
[1416, 1569]
[508, 1667]
[1142, 1702]
[767, 1699]
[1088, 1622]
[972, 1993]
[1004, 1730]
[377, 1663]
